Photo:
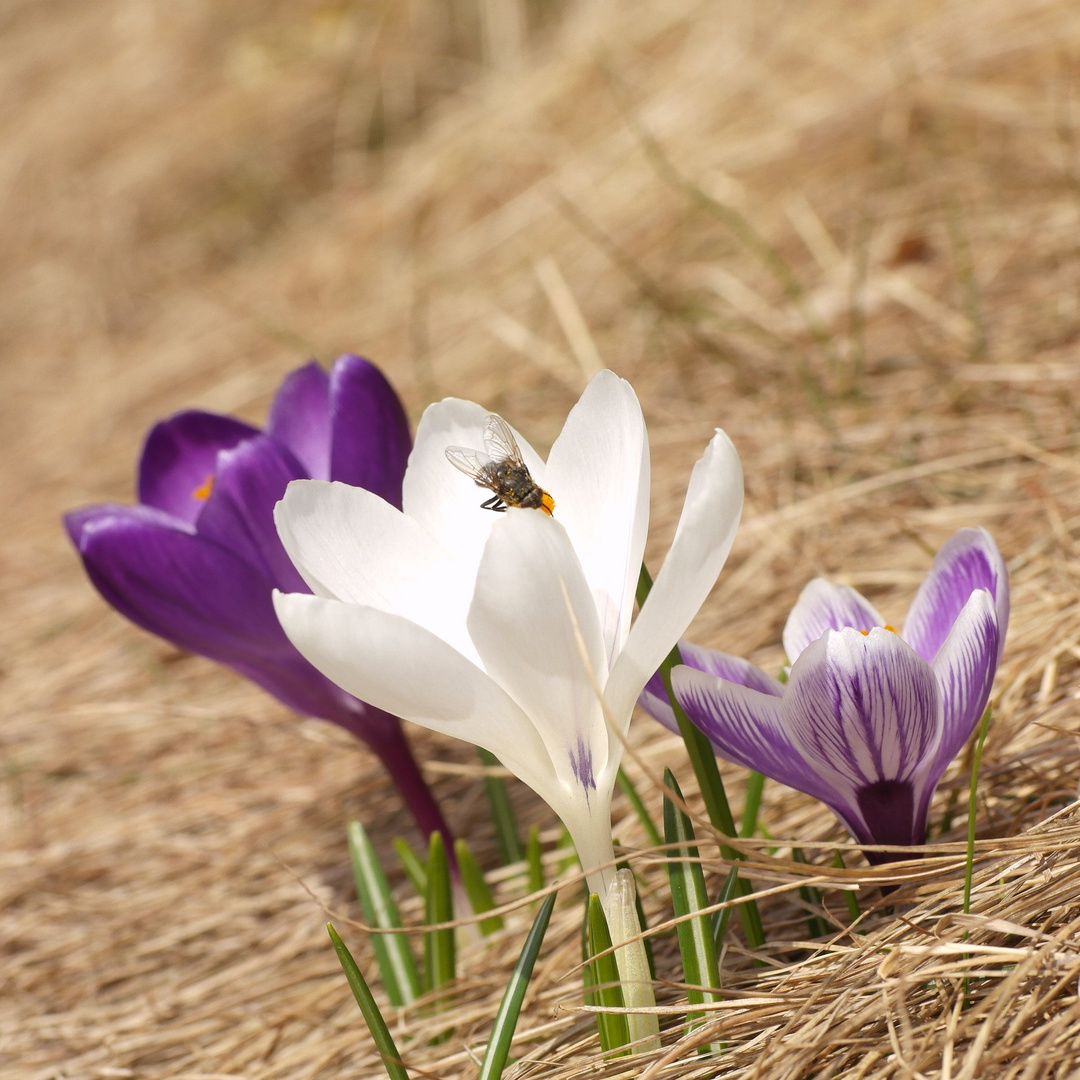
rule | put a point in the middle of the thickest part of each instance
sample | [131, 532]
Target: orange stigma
[891, 629]
[202, 492]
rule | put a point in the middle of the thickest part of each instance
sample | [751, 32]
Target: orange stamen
[891, 629]
[202, 493]
[547, 504]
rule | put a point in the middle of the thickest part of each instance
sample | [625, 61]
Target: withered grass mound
[846, 233]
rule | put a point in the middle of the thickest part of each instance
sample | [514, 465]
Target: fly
[500, 468]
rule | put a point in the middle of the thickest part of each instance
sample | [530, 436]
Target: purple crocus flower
[196, 561]
[870, 718]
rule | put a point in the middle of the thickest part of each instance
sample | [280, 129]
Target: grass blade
[400, 979]
[850, 899]
[688, 895]
[534, 861]
[703, 760]
[720, 918]
[380, 1033]
[502, 813]
[626, 785]
[502, 1032]
[440, 955]
[607, 991]
[755, 784]
[816, 926]
[414, 867]
[476, 888]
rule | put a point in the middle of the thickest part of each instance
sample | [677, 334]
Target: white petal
[598, 475]
[351, 545]
[404, 669]
[824, 606]
[702, 541]
[535, 627]
[441, 497]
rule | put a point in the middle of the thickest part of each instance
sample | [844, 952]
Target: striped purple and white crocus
[196, 560]
[869, 718]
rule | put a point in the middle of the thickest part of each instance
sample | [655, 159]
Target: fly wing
[500, 443]
[473, 463]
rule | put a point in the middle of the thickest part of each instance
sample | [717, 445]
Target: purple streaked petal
[824, 606]
[202, 597]
[862, 708]
[967, 561]
[964, 667]
[179, 458]
[746, 727]
[300, 419]
[732, 668]
[239, 515]
[370, 439]
[654, 699]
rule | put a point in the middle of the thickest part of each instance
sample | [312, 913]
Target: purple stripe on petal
[370, 432]
[179, 458]
[824, 606]
[300, 419]
[747, 727]
[239, 514]
[732, 668]
[967, 561]
[965, 667]
[862, 708]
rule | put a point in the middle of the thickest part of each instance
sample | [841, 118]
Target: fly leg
[494, 503]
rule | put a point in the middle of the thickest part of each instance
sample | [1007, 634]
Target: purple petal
[239, 515]
[965, 667]
[179, 458]
[203, 598]
[746, 727]
[300, 419]
[967, 561]
[863, 708]
[824, 606]
[370, 432]
[654, 699]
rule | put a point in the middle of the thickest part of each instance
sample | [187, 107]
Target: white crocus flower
[511, 630]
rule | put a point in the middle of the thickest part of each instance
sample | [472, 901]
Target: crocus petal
[862, 708]
[824, 606]
[351, 545]
[442, 498]
[598, 474]
[370, 432]
[967, 561]
[179, 458]
[734, 669]
[535, 625]
[746, 727]
[300, 418]
[965, 666]
[239, 513]
[702, 541]
[404, 669]
[200, 596]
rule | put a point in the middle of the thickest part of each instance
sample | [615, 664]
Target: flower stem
[391, 747]
[703, 760]
[984, 726]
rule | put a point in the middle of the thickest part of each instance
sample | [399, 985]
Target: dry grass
[854, 246]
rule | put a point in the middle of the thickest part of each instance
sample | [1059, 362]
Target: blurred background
[846, 233]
